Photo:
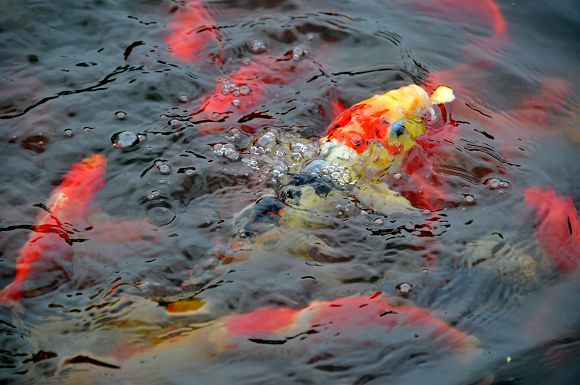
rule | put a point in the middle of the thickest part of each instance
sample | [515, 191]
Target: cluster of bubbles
[336, 172]
[276, 155]
[227, 150]
[162, 167]
[496, 184]
[229, 87]
[257, 46]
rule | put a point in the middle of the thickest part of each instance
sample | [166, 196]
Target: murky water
[98, 77]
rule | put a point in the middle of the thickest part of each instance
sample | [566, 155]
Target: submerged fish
[558, 231]
[323, 329]
[191, 31]
[51, 242]
[236, 96]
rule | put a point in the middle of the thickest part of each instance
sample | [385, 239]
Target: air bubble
[160, 212]
[297, 53]
[121, 115]
[175, 124]
[183, 98]
[468, 198]
[496, 184]
[236, 103]
[245, 90]
[125, 139]
[231, 154]
[162, 168]
[153, 195]
[404, 288]
[268, 140]
[68, 133]
[256, 46]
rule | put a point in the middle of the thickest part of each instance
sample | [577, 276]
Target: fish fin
[442, 95]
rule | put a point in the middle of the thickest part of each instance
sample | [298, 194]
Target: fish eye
[398, 128]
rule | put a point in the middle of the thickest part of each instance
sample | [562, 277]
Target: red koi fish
[50, 242]
[425, 188]
[192, 31]
[558, 231]
[236, 97]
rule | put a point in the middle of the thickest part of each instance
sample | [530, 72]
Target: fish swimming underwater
[51, 241]
[558, 231]
[191, 31]
[315, 334]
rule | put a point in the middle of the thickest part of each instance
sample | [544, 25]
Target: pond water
[152, 283]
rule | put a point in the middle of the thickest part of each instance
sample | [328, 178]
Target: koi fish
[347, 314]
[391, 121]
[356, 322]
[558, 231]
[360, 146]
[236, 96]
[364, 141]
[51, 241]
[192, 31]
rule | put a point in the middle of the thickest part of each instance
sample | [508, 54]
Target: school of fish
[365, 141]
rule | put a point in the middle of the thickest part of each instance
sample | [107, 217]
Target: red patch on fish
[265, 320]
[192, 31]
[357, 129]
[558, 230]
[68, 203]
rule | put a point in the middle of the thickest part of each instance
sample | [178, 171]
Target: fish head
[374, 134]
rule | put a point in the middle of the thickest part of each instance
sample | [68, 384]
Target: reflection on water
[195, 262]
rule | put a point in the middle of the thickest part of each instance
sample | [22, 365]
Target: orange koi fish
[192, 30]
[373, 134]
[50, 242]
[558, 231]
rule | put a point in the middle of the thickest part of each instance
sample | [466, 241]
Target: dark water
[66, 73]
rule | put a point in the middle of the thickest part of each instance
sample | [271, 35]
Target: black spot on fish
[322, 186]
